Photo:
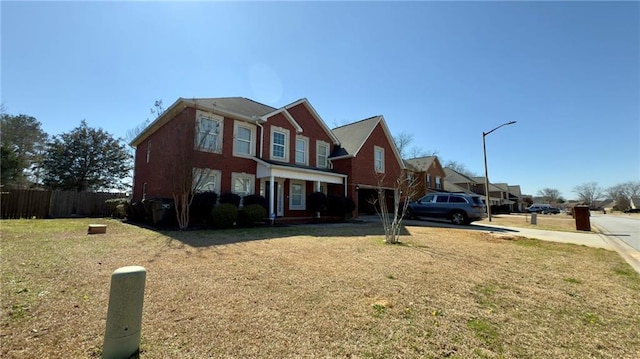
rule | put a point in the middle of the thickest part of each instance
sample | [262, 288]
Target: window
[296, 196]
[442, 199]
[457, 199]
[144, 191]
[243, 183]
[438, 183]
[428, 181]
[279, 144]
[378, 159]
[148, 150]
[322, 152]
[208, 129]
[205, 180]
[301, 150]
[244, 135]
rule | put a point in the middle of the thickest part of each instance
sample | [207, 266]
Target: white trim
[218, 134]
[376, 150]
[252, 140]
[302, 204]
[305, 161]
[252, 182]
[266, 170]
[318, 144]
[287, 137]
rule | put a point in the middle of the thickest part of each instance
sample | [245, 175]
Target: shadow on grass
[364, 226]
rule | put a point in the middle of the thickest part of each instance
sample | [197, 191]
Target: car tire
[459, 218]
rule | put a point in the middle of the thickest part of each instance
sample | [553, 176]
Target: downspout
[261, 136]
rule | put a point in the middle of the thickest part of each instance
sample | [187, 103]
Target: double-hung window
[438, 182]
[301, 150]
[378, 159]
[208, 130]
[243, 183]
[322, 154]
[244, 134]
[205, 180]
[279, 144]
[296, 196]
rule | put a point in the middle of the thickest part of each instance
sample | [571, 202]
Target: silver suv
[459, 208]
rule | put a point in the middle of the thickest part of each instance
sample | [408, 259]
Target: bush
[201, 207]
[340, 206]
[252, 214]
[113, 204]
[317, 201]
[230, 198]
[225, 215]
[255, 199]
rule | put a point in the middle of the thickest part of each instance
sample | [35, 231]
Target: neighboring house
[452, 187]
[431, 170]
[634, 202]
[461, 180]
[515, 194]
[238, 145]
[371, 159]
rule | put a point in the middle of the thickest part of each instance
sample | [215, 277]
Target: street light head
[512, 122]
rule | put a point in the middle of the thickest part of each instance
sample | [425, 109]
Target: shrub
[340, 206]
[225, 215]
[317, 201]
[201, 207]
[230, 198]
[255, 199]
[113, 204]
[252, 214]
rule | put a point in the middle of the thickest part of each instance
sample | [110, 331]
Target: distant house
[237, 145]
[430, 171]
[634, 202]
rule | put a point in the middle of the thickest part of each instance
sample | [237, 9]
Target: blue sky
[567, 72]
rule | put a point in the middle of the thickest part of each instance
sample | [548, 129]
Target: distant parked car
[537, 209]
[551, 210]
[632, 210]
[459, 208]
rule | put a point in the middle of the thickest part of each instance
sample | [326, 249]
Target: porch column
[271, 196]
[317, 186]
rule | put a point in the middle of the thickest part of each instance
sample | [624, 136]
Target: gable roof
[238, 107]
[454, 176]
[452, 187]
[423, 163]
[354, 135]
[314, 113]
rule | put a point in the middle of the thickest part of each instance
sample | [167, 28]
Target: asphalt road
[626, 229]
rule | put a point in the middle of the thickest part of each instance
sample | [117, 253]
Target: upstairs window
[148, 150]
[208, 129]
[244, 139]
[428, 180]
[301, 150]
[378, 159]
[280, 144]
[322, 154]
[438, 183]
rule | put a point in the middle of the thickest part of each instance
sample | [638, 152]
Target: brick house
[429, 169]
[238, 145]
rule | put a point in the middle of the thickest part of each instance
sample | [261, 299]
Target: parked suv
[459, 208]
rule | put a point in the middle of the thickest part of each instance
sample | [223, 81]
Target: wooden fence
[25, 203]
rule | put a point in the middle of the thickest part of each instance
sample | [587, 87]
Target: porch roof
[267, 169]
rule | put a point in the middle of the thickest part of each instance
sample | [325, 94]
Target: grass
[548, 222]
[323, 291]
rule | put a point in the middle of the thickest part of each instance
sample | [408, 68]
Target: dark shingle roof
[238, 105]
[354, 135]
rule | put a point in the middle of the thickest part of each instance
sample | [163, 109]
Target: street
[626, 229]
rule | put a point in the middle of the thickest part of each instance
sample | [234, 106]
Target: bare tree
[631, 189]
[589, 193]
[550, 195]
[617, 194]
[405, 188]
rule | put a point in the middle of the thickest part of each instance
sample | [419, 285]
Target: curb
[628, 253]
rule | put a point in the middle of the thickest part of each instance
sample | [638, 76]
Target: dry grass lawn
[326, 291]
[548, 222]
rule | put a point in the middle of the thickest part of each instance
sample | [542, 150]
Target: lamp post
[486, 172]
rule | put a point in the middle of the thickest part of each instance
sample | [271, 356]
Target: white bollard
[124, 316]
[534, 218]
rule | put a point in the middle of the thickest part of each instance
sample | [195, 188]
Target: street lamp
[486, 172]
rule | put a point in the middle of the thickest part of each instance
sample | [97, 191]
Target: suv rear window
[477, 200]
[456, 199]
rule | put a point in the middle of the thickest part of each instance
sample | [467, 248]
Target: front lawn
[324, 291]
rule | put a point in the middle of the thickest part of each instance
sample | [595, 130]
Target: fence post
[124, 316]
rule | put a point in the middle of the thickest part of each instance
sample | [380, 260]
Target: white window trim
[198, 172]
[252, 144]
[219, 138]
[286, 144]
[438, 182]
[306, 150]
[252, 181]
[326, 162]
[303, 199]
[378, 149]
[148, 150]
